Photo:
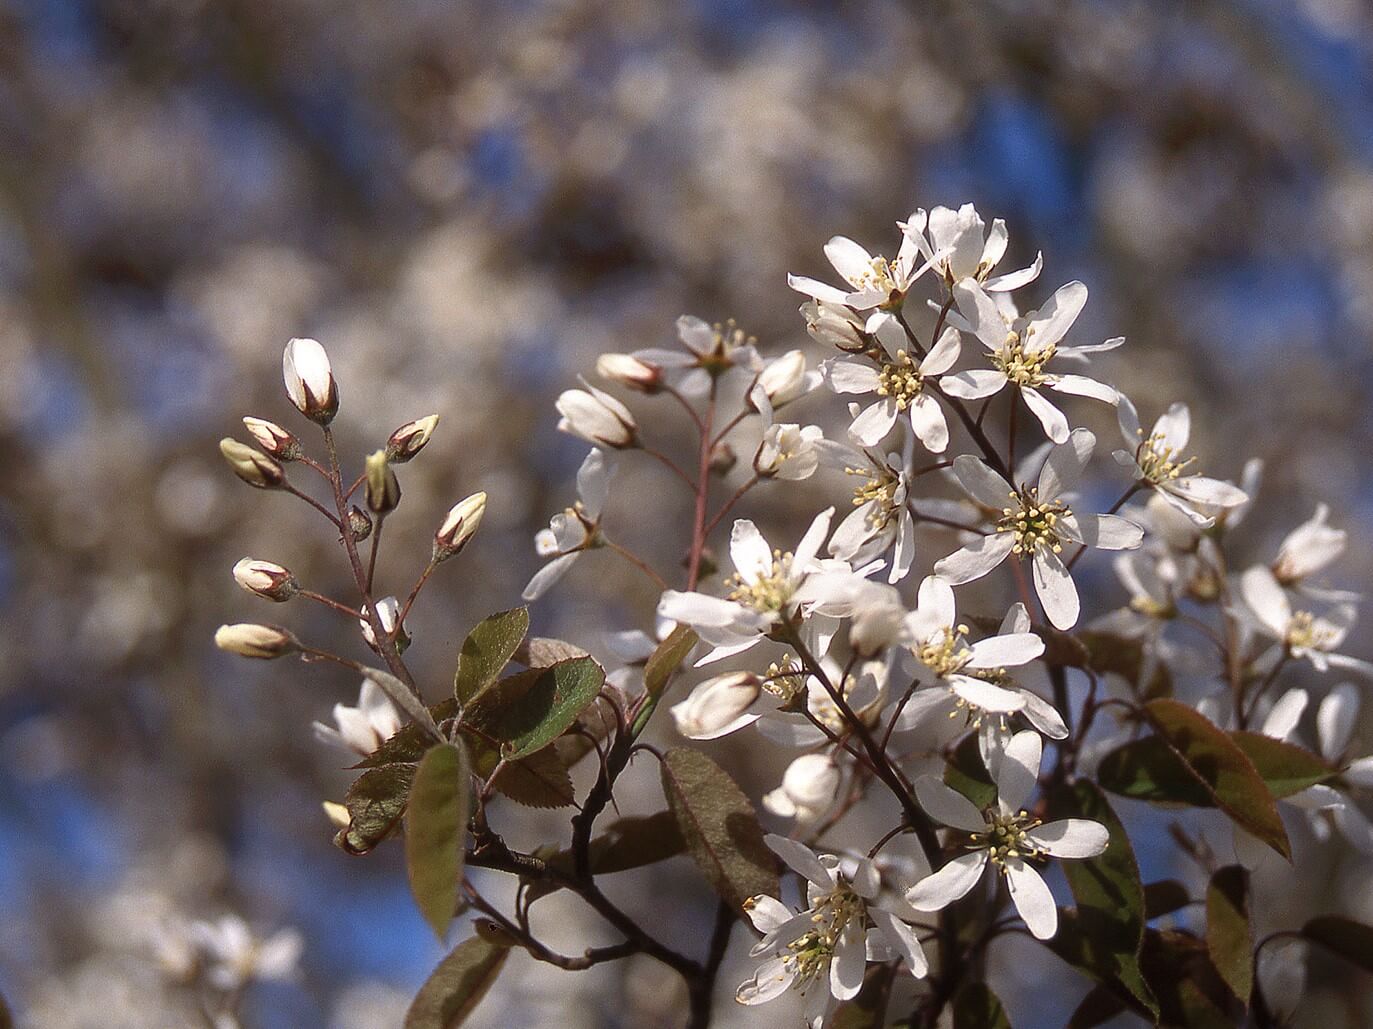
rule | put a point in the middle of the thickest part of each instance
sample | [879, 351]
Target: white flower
[718, 706]
[873, 281]
[835, 325]
[1021, 347]
[1035, 524]
[247, 639]
[266, 579]
[364, 727]
[959, 248]
[597, 417]
[880, 517]
[578, 528]
[786, 378]
[1302, 634]
[808, 789]
[1006, 836]
[767, 587]
[309, 380]
[971, 679]
[898, 380]
[237, 956]
[1157, 460]
[707, 351]
[631, 371]
[824, 950]
[788, 452]
[1308, 548]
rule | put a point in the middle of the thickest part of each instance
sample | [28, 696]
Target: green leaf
[667, 658]
[375, 803]
[434, 829]
[977, 1007]
[457, 985]
[1227, 929]
[635, 842]
[720, 827]
[966, 773]
[1110, 899]
[528, 711]
[543, 652]
[487, 650]
[539, 781]
[1100, 1005]
[1149, 769]
[1190, 992]
[1351, 940]
[1285, 767]
[1219, 765]
[1164, 897]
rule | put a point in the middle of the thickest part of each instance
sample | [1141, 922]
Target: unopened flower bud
[383, 488]
[359, 523]
[410, 438]
[272, 438]
[598, 418]
[808, 788]
[723, 459]
[628, 370]
[252, 466]
[459, 526]
[265, 579]
[337, 814]
[786, 379]
[251, 640]
[388, 614]
[309, 380]
[718, 706]
[834, 325]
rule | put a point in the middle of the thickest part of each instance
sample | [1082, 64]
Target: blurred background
[466, 202]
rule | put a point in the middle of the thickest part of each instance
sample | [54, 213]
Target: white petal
[1053, 420]
[1071, 838]
[983, 316]
[810, 543]
[1266, 599]
[1335, 719]
[801, 859]
[748, 550]
[903, 939]
[983, 485]
[943, 354]
[548, 575]
[948, 884]
[1019, 771]
[948, 806]
[1174, 427]
[973, 384]
[1017, 620]
[1032, 899]
[1109, 532]
[850, 961]
[1200, 489]
[1285, 714]
[1006, 651]
[1054, 586]
[817, 289]
[875, 423]
[1064, 465]
[1081, 386]
[1128, 417]
[1360, 772]
[1044, 716]
[849, 259]
[976, 559]
[704, 611]
[770, 981]
[1052, 321]
[1355, 826]
[927, 420]
[1016, 279]
[851, 376]
[986, 695]
[767, 913]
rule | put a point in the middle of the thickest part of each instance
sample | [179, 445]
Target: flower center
[770, 592]
[784, 681]
[809, 955]
[1034, 524]
[1159, 463]
[879, 489]
[946, 653]
[1019, 367]
[901, 380]
[1304, 634]
[1006, 837]
[879, 275]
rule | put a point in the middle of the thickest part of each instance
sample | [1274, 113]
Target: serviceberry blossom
[881, 517]
[824, 950]
[310, 380]
[235, 956]
[785, 379]
[388, 614]
[1309, 548]
[577, 529]
[365, 726]
[896, 376]
[788, 451]
[874, 282]
[809, 786]
[1007, 836]
[767, 587]
[594, 415]
[1158, 463]
[1302, 634]
[970, 679]
[707, 351]
[1021, 346]
[718, 706]
[1035, 523]
[959, 246]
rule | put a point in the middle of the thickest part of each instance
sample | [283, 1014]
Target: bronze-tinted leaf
[720, 827]
[457, 985]
[375, 803]
[667, 658]
[528, 711]
[1285, 767]
[1164, 897]
[487, 650]
[435, 826]
[539, 780]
